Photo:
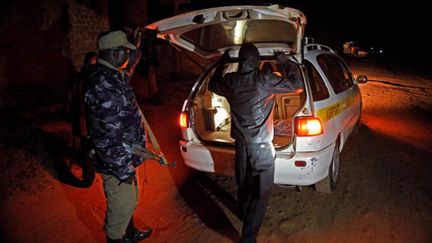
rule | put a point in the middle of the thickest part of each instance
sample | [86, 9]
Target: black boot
[124, 239]
[135, 234]
[113, 241]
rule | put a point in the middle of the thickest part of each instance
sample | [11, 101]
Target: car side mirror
[362, 79]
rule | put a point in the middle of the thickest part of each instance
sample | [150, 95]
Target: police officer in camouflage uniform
[114, 119]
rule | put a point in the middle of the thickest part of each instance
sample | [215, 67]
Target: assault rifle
[145, 153]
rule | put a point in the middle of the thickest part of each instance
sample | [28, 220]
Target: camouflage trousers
[122, 200]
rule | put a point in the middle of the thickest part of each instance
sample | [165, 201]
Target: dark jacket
[114, 117]
[250, 93]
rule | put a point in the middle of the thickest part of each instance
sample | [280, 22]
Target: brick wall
[86, 25]
[41, 46]
[43, 42]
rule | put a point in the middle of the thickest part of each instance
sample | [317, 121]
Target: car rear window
[319, 89]
[337, 73]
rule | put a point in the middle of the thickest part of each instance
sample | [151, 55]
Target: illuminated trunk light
[183, 120]
[300, 163]
[308, 126]
[239, 31]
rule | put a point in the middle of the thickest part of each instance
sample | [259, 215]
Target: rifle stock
[161, 157]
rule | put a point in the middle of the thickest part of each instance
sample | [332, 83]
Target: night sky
[400, 29]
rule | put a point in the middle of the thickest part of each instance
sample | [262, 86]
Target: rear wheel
[328, 184]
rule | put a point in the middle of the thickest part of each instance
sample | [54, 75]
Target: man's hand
[130, 180]
[280, 56]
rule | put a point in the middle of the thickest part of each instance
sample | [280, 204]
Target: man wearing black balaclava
[250, 94]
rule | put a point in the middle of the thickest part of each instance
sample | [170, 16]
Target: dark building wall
[42, 43]
[87, 23]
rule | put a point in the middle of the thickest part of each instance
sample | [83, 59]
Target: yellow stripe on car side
[331, 111]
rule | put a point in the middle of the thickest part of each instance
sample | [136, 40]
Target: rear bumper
[221, 160]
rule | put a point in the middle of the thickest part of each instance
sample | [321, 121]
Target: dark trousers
[254, 170]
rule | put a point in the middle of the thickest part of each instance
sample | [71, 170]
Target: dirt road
[384, 193]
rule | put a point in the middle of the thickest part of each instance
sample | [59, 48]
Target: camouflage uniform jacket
[114, 117]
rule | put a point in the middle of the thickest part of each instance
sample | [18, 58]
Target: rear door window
[337, 73]
[319, 89]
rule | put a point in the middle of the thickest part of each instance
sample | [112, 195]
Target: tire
[328, 184]
[357, 127]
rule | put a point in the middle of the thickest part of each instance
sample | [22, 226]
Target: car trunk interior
[211, 112]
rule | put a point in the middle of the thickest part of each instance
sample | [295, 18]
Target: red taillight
[308, 126]
[183, 120]
[298, 163]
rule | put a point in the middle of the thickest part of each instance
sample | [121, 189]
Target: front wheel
[357, 126]
[328, 184]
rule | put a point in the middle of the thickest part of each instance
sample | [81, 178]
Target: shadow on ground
[204, 197]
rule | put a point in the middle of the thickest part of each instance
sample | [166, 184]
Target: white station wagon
[310, 128]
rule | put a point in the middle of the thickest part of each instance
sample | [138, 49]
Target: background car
[310, 127]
